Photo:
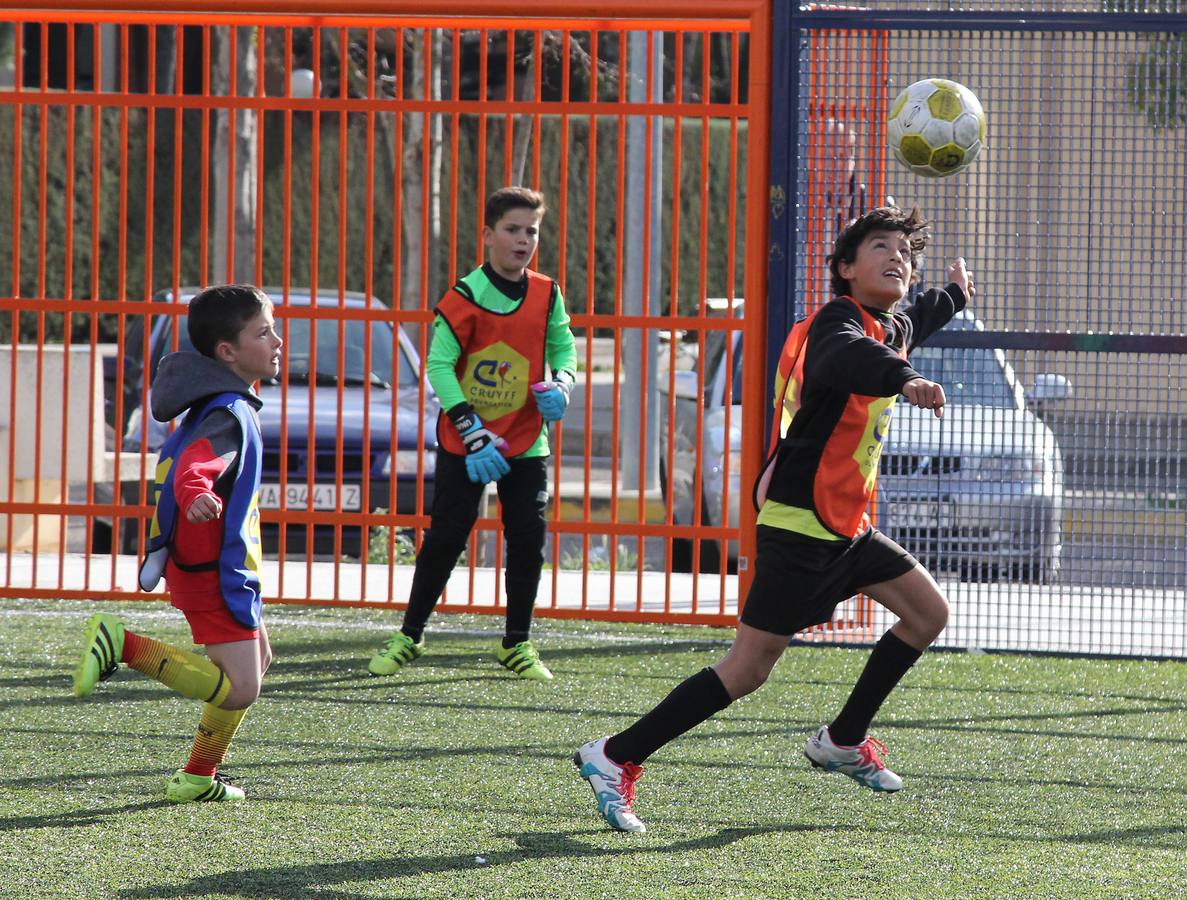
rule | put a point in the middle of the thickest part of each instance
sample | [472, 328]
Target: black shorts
[799, 581]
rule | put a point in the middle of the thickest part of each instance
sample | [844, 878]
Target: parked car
[394, 378]
[979, 490]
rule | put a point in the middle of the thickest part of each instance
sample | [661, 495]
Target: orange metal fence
[342, 161]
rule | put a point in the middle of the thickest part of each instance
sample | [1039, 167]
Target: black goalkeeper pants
[523, 499]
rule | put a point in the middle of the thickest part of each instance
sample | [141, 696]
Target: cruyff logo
[484, 366]
[881, 426]
[486, 370]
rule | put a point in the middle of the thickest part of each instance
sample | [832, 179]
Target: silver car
[979, 491]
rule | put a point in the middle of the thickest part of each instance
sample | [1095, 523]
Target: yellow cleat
[397, 652]
[101, 655]
[524, 661]
[186, 788]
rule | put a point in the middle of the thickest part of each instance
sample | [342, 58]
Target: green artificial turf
[1024, 776]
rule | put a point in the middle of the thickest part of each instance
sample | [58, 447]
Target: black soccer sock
[888, 663]
[691, 702]
[413, 631]
[420, 606]
[434, 565]
[421, 603]
[520, 605]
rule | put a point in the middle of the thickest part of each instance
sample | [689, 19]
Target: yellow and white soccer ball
[936, 127]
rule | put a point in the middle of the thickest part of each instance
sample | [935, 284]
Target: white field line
[37, 609]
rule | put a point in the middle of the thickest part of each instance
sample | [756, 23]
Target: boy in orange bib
[502, 362]
[838, 377]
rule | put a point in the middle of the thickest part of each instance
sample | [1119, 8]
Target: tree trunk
[414, 189]
[525, 89]
[239, 212]
[412, 182]
[166, 57]
[437, 140]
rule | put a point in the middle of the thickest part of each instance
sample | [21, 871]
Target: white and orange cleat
[862, 762]
[613, 785]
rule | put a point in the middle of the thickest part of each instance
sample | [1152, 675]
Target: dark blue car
[395, 378]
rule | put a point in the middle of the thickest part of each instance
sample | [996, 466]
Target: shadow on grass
[380, 752]
[60, 693]
[321, 647]
[357, 664]
[1141, 837]
[964, 726]
[981, 691]
[52, 680]
[640, 648]
[77, 818]
[305, 881]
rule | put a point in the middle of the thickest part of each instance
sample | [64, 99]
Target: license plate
[296, 496]
[921, 514]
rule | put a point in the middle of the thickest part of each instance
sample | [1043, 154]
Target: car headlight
[132, 431]
[1010, 468]
[735, 461]
[406, 462]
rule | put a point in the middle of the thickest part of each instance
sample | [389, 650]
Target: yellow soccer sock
[215, 732]
[187, 673]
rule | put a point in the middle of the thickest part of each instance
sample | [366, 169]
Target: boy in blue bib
[205, 533]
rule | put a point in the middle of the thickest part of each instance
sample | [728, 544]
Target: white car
[979, 491]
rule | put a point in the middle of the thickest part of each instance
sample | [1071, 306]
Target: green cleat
[398, 651]
[524, 661]
[186, 788]
[101, 656]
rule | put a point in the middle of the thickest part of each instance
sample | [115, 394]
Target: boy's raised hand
[960, 275]
[205, 508]
[926, 395]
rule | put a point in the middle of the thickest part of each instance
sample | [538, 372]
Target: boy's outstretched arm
[959, 275]
[842, 357]
[935, 307]
[926, 395]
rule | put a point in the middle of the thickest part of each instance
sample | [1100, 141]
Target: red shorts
[210, 620]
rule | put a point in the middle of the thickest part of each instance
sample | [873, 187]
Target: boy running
[205, 534]
[838, 377]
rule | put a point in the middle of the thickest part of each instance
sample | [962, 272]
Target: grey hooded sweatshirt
[186, 378]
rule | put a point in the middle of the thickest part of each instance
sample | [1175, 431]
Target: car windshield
[715, 344]
[353, 339]
[971, 376]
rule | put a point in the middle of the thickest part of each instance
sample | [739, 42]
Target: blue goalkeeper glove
[484, 462]
[552, 397]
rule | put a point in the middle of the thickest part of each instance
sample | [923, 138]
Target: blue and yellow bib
[239, 561]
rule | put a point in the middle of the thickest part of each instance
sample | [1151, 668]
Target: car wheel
[1040, 570]
[709, 551]
[101, 537]
[979, 571]
[130, 536]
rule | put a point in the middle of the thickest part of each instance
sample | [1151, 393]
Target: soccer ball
[936, 127]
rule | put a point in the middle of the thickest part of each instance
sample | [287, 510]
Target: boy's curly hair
[884, 218]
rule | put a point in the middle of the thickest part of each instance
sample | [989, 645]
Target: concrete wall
[59, 403]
